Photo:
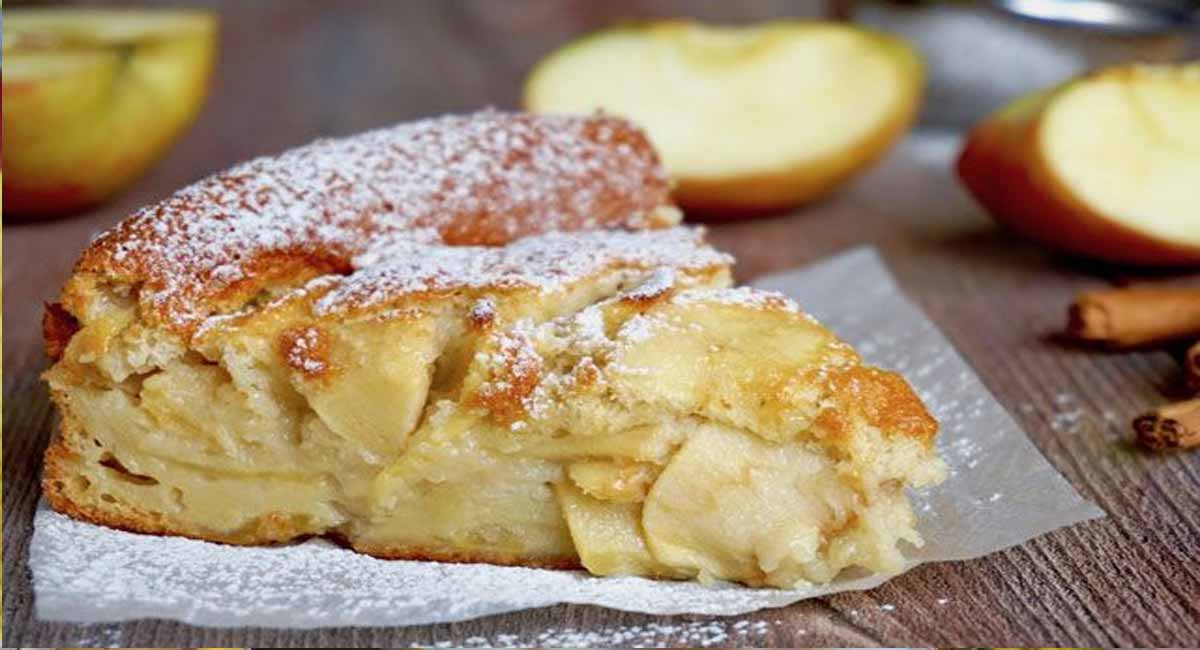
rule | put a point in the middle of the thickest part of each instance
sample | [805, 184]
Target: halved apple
[92, 97]
[1106, 165]
[747, 119]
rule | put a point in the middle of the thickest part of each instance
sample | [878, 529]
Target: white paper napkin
[1000, 492]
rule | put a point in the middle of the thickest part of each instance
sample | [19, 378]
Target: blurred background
[326, 60]
[290, 71]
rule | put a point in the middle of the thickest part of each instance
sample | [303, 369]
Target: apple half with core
[747, 119]
[1106, 165]
[92, 97]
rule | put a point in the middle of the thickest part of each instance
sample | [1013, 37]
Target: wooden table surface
[292, 71]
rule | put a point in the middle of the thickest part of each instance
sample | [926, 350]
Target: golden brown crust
[882, 398]
[481, 315]
[659, 288]
[306, 349]
[58, 326]
[427, 553]
[521, 370]
[481, 179]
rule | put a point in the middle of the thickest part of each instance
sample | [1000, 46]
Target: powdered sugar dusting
[305, 351]
[482, 312]
[481, 179]
[402, 264]
[739, 296]
[658, 284]
[516, 368]
[691, 634]
[640, 328]
[588, 329]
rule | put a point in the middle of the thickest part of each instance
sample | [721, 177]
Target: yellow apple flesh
[92, 97]
[747, 119]
[1105, 166]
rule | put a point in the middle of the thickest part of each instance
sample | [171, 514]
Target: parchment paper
[1000, 492]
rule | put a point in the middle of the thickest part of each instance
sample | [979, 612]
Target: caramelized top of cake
[484, 179]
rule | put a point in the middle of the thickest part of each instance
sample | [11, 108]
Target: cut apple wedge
[1106, 165]
[93, 97]
[747, 119]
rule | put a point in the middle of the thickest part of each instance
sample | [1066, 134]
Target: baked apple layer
[638, 418]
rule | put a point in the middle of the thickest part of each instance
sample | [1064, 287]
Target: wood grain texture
[292, 71]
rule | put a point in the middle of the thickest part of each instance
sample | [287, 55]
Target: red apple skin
[69, 193]
[1001, 166]
[49, 175]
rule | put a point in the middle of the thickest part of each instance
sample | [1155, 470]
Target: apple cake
[475, 338]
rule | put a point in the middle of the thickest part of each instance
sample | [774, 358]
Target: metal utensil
[1120, 16]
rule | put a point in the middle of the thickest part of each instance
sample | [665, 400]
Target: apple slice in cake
[477, 338]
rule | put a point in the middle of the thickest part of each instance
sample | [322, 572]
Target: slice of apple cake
[476, 338]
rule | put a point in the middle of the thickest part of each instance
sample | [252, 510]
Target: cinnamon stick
[1126, 318]
[1174, 426]
[1191, 366]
